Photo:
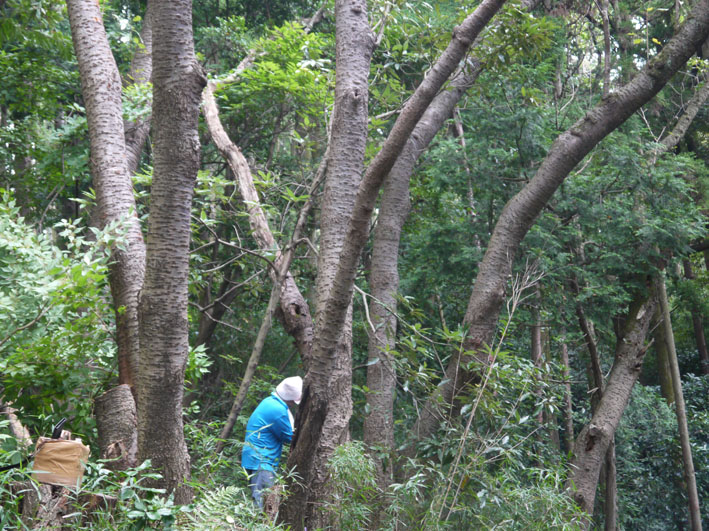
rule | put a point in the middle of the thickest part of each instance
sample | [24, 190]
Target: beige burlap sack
[60, 462]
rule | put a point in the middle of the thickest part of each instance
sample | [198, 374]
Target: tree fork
[595, 438]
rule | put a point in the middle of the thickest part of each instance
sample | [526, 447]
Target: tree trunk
[520, 213]
[568, 406]
[118, 439]
[328, 382]
[662, 358]
[608, 472]
[610, 501]
[177, 86]
[537, 348]
[593, 442]
[384, 276]
[101, 89]
[689, 476]
[697, 321]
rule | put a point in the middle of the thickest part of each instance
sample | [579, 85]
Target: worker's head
[290, 389]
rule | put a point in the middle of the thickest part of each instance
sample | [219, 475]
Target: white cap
[290, 389]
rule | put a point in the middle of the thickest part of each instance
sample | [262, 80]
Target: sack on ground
[60, 462]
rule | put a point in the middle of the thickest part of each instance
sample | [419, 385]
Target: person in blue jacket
[270, 426]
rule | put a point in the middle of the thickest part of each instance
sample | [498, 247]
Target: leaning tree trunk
[177, 86]
[689, 476]
[597, 385]
[520, 213]
[294, 310]
[101, 90]
[328, 393]
[384, 275]
[593, 442]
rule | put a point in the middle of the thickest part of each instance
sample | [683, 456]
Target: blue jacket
[268, 428]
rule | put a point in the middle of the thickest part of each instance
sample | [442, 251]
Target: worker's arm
[284, 427]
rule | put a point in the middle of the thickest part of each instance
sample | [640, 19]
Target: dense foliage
[620, 216]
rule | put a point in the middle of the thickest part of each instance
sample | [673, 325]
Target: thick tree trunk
[118, 439]
[177, 86]
[521, 211]
[327, 396]
[313, 427]
[384, 275]
[358, 230]
[101, 89]
[690, 479]
[593, 442]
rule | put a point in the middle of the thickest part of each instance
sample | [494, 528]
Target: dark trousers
[260, 480]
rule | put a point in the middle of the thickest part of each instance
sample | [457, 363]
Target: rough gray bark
[695, 517]
[384, 275]
[177, 87]
[101, 89]
[314, 425]
[118, 439]
[520, 213]
[593, 442]
[328, 393]
[141, 69]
